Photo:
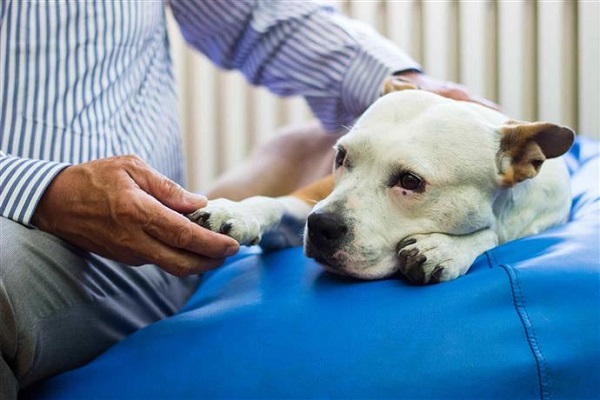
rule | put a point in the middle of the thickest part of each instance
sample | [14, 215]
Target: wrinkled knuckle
[135, 159]
[133, 162]
[168, 187]
[183, 238]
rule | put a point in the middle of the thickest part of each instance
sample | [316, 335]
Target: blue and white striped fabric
[82, 80]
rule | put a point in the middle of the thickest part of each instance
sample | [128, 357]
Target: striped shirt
[82, 80]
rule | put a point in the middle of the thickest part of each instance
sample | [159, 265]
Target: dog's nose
[325, 228]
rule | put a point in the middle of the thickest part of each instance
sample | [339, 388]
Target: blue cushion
[524, 322]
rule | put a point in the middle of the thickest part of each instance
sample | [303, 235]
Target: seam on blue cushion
[491, 258]
[521, 308]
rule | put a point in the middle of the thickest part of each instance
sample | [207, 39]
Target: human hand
[122, 209]
[451, 90]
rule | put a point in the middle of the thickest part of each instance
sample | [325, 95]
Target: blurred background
[538, 59]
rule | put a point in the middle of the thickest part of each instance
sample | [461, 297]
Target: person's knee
[32, 287]
[47, 295]
[60, 306]
[13, 245]
[35, 268]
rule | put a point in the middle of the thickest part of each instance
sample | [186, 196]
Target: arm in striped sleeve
[305, 48]
[22, 183]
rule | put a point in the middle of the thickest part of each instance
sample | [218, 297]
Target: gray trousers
[61, 306]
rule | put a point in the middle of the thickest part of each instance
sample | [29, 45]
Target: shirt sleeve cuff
[23, 182]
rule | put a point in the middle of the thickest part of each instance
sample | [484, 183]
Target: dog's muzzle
[326, 234]
[326, 230]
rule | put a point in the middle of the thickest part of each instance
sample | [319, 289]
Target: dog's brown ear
[395, 84]
[524, 146]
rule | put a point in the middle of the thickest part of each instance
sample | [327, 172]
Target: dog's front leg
[439, 257]
[272, 222]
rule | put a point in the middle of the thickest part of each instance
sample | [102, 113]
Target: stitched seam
[521, 308]
[491, 258]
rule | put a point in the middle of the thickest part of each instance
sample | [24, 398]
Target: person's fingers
[162, 188]
[179, 262]
[447, 89]
[451, 93]
[140, 248]
[175, 261]
[159, 204]
[197, 265]
[485, 102]
[177, 231]
[458, 92]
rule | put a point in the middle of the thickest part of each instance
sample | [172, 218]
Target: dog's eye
[340, 157]
[410, 181]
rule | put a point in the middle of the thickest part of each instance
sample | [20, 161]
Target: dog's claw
[405, 242]
[411, 262]
[436, 275]
[225, 227]
[414, 272]
[419, 263]
[199, 217]
[229, 218]
[406, 256]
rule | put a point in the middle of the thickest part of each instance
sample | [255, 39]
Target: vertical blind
[538, 59]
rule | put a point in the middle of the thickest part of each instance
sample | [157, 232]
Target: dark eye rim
[414, 186]
[398, 178]
[340, 156]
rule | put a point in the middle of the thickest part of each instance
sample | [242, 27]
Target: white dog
[422, 185]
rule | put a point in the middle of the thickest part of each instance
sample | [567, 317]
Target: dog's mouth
[351, 263]
[326, 258]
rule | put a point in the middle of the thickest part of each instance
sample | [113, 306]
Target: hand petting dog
[448, 89]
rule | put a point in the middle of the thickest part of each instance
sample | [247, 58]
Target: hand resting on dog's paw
[229, 218]
[439, 257]
[272, 222]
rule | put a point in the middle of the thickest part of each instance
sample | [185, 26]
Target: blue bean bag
[523, 323]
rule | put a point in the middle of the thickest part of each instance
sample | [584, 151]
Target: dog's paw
[431, 258]
[229, 218]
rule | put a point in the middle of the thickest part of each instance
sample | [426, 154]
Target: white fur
[462, 212]
[252, 217]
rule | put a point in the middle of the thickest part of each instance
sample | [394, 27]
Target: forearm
[23, 181]
[303, 48]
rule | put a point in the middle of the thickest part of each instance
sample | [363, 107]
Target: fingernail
[231, 250]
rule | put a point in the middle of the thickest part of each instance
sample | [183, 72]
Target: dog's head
[418, 163]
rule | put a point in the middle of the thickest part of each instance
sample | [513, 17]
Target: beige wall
[537, 59]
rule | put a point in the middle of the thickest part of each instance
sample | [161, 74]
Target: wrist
[45, 209]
